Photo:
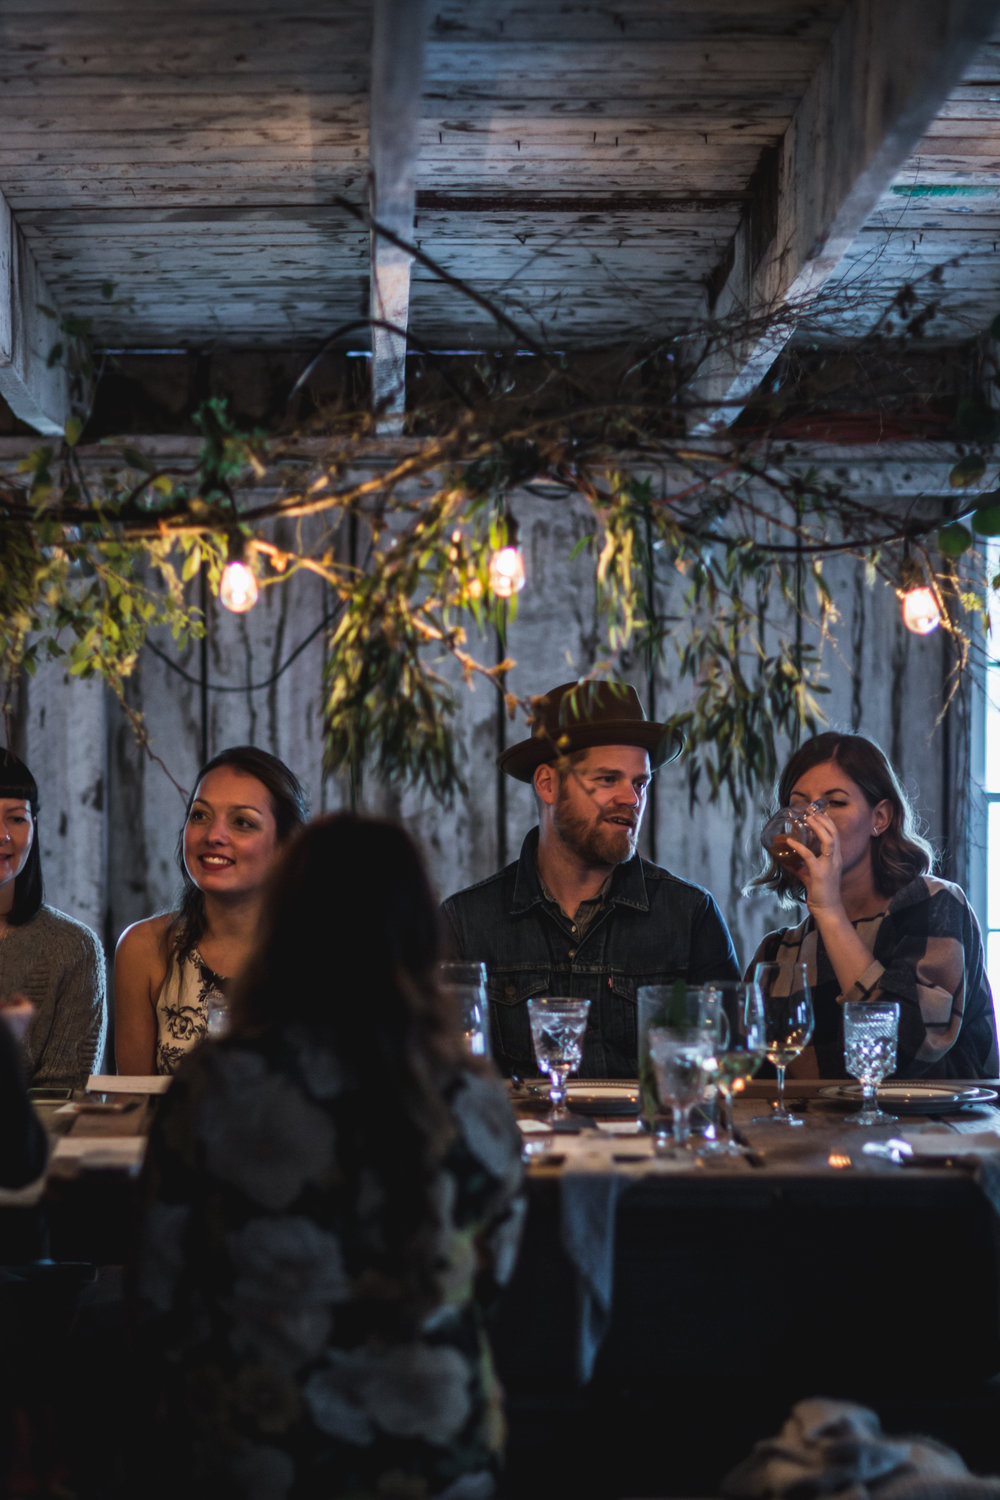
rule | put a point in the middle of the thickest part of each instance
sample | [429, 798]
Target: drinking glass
[679, 1055]
[790, 823]
[788, 1025]
[557, 1026]
[740, 1051]
[465, 981]
[668, 1005]
[218, 1018]
[871, 1028]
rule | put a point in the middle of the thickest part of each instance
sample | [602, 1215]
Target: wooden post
[397, 78]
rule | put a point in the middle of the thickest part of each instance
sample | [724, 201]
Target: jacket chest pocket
[510, 1023]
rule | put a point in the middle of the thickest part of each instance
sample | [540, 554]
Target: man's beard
[600, 843]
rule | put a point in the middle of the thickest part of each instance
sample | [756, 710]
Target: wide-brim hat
[578, 715]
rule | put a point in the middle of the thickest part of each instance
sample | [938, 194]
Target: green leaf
[72, 431]
[986, 520]
[954, 539]
[967, 471]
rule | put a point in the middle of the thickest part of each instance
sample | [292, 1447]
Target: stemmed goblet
[679, 1055]
[871, 1029]
[739, 1054]
[558, 1023]
[788, 1026]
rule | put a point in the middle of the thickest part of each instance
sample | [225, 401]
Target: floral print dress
[182, 1008]
[261, 1296]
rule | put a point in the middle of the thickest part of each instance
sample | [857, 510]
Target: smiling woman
[170, 969]
[48, 959]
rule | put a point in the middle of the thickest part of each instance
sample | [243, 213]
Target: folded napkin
[588, 1202]
[836, 1448]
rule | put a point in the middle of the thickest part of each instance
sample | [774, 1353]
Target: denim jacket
[653, 929]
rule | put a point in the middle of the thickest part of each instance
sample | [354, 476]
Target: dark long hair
[17, 781]
[290, 809]
[348, 951]
[899, 853]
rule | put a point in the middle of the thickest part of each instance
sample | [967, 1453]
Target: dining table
[655, 1292]
[658, 1296]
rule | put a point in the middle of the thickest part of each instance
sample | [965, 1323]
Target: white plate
[596, 1096]
[915, 1096]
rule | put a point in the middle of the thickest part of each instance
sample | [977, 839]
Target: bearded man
[580, 912]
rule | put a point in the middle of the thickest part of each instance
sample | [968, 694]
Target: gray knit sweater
[59, 964]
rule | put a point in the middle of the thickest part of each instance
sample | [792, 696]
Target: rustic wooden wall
[111, 815]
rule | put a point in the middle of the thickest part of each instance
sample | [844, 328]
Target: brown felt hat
[578, 715]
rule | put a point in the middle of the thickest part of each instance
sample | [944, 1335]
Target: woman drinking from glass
[171, 970]
[333, 1189]
[880, 925]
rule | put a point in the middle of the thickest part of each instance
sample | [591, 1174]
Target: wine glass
[788, 1025]
[465, 981]
[557, 1026]
[740, 1050]
[871, 1029]
[668, 1005]
[679, 1055]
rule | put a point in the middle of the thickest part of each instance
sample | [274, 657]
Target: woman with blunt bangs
[171, 968]
[880, 924]
[47, 958]
[333, 1191]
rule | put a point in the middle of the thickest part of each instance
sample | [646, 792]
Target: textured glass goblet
[558, 1023]
[871, 1030]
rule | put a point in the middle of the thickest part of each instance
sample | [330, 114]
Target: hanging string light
[238, 585]
[921, 611]
[506, 572]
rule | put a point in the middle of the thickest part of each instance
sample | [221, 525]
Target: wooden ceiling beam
[398, 45]
[879, 85]
[36, 392]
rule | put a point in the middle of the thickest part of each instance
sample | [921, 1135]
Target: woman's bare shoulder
[146, 939]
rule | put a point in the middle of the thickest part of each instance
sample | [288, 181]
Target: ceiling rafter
[36, 392]
[879, 85]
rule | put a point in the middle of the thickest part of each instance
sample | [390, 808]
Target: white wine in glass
[788, 1026]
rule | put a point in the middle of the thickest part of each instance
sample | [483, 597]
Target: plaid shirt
[927, 953]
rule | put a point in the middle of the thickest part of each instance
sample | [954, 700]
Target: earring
[876, 832]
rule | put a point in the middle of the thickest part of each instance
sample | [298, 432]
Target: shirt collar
[626, 887]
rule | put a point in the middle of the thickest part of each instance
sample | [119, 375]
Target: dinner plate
[915, 1096]
[600, 1096]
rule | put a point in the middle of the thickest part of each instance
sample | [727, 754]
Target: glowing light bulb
[506, 576]
[920, 611]
[238, 587]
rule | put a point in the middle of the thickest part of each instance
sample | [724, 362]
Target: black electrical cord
[247, 687]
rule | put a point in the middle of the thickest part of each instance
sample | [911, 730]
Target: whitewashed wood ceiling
[598, 170]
